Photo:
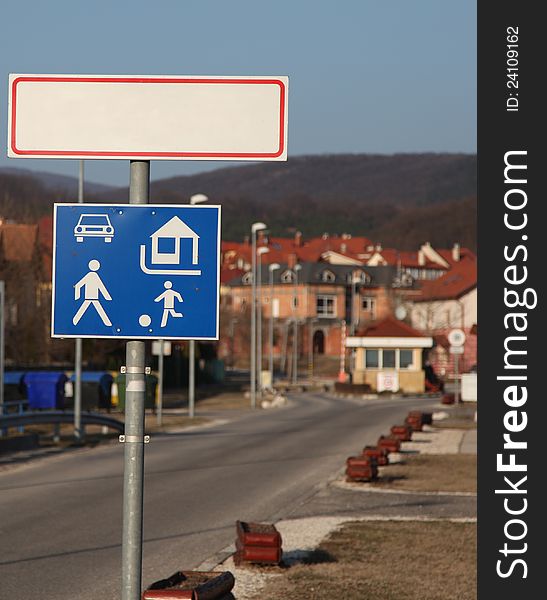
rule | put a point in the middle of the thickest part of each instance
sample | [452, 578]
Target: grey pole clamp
[134, 439]
[135, 370]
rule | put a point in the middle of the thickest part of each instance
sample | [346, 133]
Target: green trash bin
[150, 394]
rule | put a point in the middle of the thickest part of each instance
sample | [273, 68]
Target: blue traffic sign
[136, 271]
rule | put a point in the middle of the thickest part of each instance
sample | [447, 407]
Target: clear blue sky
[365, 75]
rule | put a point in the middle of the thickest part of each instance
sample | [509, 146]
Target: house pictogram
[166, 248]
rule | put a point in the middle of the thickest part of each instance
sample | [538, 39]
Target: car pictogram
[94, 225]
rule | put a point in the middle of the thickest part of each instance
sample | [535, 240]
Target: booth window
[405, 359]
[371, 358]
[388, 359]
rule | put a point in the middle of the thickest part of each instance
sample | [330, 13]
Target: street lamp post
[231, 333]
[297, 268]
[310, 349]
[254, 228]
[262, 250]
[273, 267]
[354, 311]
[195, 199]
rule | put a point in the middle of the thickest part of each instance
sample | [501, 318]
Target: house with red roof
[387, 356]
[446, 303]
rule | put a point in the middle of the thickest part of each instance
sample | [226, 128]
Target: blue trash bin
[96, 390]
[45, 389]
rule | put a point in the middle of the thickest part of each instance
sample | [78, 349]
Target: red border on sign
[69, 153]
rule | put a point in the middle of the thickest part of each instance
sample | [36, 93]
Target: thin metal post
[295, 336]
[191, 378]
[310, 352]
[253, 319]
[283, 362]
[194, 199]
[134, 429]
[456, 375]
[159, 414]
[259, 326]
[271, 329]
[295, 352]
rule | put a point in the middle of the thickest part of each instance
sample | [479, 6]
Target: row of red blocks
[365, 466]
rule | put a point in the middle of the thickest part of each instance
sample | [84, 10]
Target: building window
[358, 277]
[372, 359]
[287, 277]
[388, 359]
[377, 358]
[405, 359]
[326, 306]
[368, 303]
[328, 276]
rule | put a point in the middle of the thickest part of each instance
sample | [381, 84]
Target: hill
[399, 200]
[57, 183]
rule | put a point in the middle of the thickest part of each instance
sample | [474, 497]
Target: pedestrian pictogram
[157, 277]
[93, 289]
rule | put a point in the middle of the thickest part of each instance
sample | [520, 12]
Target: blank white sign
[147, 117]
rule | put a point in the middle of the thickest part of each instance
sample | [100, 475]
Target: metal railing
[57, 417]
[5, 409]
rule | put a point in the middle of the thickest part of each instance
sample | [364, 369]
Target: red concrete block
[191, 585]
[258, 534]
[257, 554]
[403, 432]
[363, 473]
[414, 421]
[380, 454]
[361, 461]
[391, 444]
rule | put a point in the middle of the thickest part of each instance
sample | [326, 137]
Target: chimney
[325, 236]
[291, 260]
[456, 252]
[246, 240]
[343, 248]
[298, 239]
[421, 258]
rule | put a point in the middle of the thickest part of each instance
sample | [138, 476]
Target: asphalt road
[61, 517]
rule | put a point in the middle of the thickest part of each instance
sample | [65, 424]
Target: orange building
[322, 299]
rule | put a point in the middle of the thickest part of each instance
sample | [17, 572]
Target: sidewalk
[336, 503]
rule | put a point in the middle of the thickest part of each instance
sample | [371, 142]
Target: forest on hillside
[397, 200]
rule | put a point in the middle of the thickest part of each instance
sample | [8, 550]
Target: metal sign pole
[253, 319]
[78, 433]
[191, 377]
[456, 374]
[160, 383]
[134, 429]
